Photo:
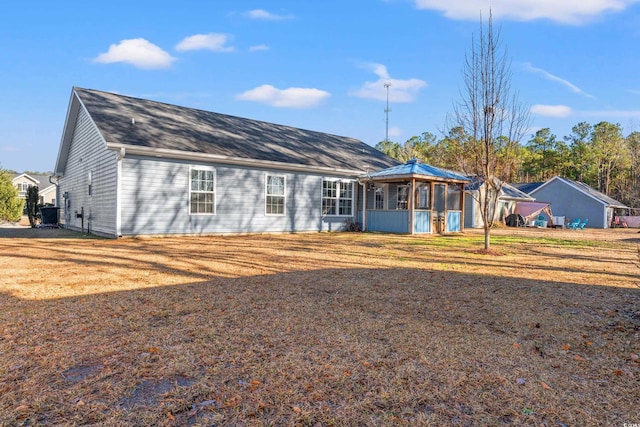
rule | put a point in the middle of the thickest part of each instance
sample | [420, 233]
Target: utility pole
[386, 111]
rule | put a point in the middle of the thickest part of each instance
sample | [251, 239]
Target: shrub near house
[10, 204]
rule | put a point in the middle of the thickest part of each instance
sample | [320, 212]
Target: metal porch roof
[412, 169]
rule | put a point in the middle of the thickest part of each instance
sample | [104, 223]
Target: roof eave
[229, 160]
[67, 134]
[401, 177]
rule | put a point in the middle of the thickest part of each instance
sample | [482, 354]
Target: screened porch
[413, 198]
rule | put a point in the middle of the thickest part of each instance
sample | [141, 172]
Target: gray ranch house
[128, 167]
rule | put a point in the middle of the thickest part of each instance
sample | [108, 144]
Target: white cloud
[293, 97]
[258, 48]
[399, 90]
[549, 76]
[262, 14]
[551, 110]
[212, 41]
[564, 11]
[137, 52]
[395, 132]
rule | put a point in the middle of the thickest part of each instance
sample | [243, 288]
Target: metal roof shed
[574, 199]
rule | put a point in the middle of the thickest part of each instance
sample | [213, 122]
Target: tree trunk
[487, 237]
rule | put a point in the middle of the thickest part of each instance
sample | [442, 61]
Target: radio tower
[386, 112]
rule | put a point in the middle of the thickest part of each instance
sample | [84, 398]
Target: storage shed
[573, 199]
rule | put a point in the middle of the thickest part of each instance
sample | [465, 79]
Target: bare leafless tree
[492, 117]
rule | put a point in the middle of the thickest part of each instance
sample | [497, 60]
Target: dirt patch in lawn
[320, 329]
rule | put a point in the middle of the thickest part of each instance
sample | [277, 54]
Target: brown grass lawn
[320, 329]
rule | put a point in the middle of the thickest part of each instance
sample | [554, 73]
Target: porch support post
[445, 220]
[365, 185]
[461, 207]
[432, 218]
[412, 190]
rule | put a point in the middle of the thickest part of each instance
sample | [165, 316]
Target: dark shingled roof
[155, 125]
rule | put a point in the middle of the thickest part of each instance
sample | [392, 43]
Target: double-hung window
[202, 194]
[337, 197]
[275, 195]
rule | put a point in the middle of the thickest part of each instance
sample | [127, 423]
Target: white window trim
[266, 194]
[215, 192]
[337, 198]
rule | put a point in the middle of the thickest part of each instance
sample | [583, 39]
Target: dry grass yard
[336, 329]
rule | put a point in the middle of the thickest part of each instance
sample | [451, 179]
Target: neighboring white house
[507, 201]
[128, 166]
[573, 199]
[46, 190]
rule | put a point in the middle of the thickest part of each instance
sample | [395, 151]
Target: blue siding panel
[453, 221]
[422, 222]
[388, 221]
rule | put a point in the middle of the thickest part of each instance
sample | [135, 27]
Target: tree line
[598, 155]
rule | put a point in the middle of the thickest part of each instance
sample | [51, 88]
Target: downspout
[57, 195]
[56, 184]
[119, 158]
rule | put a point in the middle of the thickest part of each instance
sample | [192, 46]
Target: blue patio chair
[582, 224]
[574, 224]
[540, 221]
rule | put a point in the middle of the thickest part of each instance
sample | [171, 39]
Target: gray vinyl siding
[571, 203]
[88, 153]
[472, 213]
[155, 200]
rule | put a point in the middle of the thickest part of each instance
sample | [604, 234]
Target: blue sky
[318, 65]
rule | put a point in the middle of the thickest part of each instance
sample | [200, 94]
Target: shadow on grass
[21, 232]
[328, 346]
[248, 255]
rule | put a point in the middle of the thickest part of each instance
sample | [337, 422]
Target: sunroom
[413, 198]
